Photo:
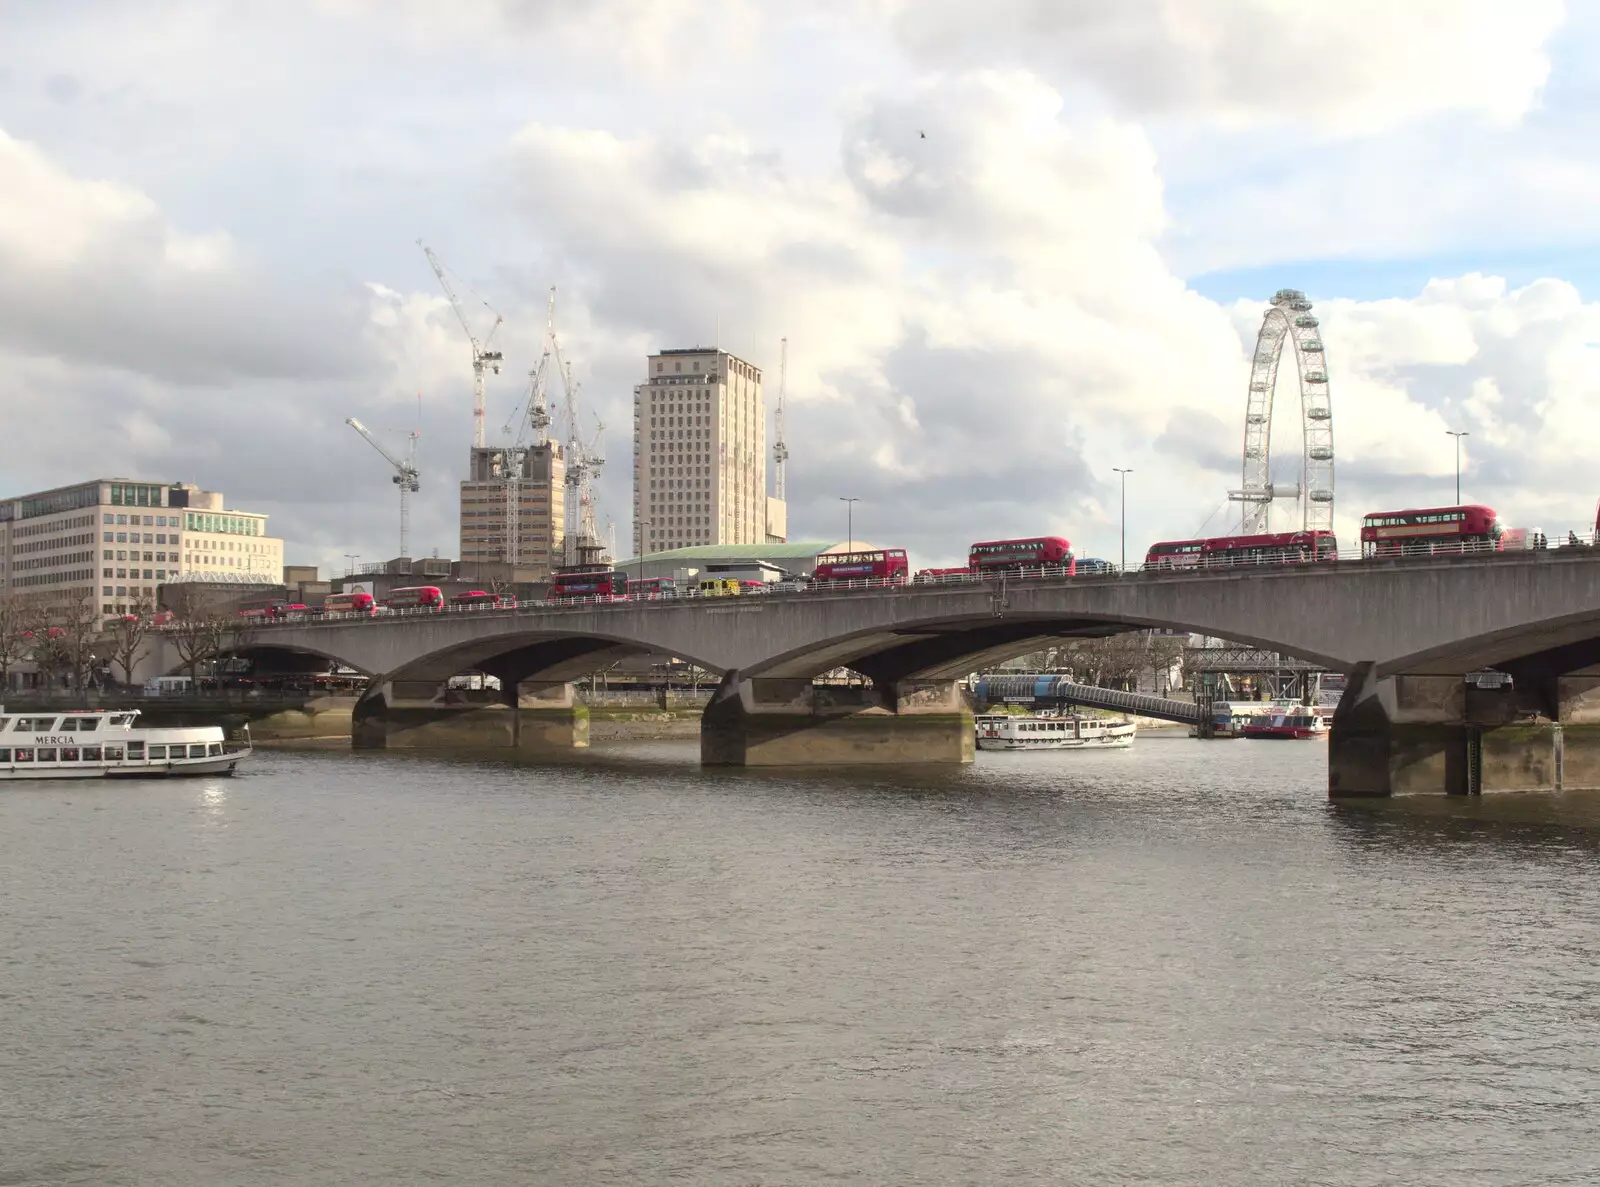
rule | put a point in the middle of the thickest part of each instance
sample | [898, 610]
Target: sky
[1012, 246]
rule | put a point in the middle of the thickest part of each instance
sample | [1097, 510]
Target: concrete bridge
[1407, 630]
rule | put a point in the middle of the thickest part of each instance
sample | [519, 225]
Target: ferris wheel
[1288, 322]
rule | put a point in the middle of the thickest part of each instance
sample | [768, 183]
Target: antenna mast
[482, 357]
[780, 451]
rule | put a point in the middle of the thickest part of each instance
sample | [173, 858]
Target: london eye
[1288, 323]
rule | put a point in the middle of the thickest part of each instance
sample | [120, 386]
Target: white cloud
[1356, 66]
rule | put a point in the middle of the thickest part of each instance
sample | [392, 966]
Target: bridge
[1057, 690]
[1408, 631]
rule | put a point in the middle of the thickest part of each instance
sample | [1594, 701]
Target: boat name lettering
[52, 740]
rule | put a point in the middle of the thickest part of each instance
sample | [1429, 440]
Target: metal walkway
[1061, 691]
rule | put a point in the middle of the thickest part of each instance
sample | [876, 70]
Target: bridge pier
[792, 722]
[1437, 735]
[535, 717]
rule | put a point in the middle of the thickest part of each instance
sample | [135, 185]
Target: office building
[512, 509]
[115, 539]
[700, 453]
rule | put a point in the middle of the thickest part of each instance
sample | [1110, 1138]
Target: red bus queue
[1418, 531]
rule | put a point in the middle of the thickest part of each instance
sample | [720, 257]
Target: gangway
[1058, 690]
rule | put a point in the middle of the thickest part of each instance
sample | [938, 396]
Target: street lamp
[643, 524]
[1124, 473]
[350, 569]
[850, 522]
[1457, 436]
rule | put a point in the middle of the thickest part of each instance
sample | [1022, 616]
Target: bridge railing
[1543, 542]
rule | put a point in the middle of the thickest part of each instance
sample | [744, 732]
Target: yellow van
[719, 587]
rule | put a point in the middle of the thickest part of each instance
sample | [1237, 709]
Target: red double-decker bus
[568, 586]
[415, 597]
[349, 603]
[1271, 548]
[880, 564]
[1424, 530]
[1037, 552]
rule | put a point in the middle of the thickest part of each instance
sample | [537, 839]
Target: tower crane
[483, 359]
[780, 451]
[405, 475]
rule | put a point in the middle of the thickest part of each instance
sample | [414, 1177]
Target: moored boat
[1303, 722]
[109, 743]
[1006, 731]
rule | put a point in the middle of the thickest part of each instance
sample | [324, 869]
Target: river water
[1172, 965]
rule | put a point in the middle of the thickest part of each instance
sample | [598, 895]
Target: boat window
[198, 750]
[24, 754]
[47, 754]
[113, 753]
[87, 725]
[91, 754]
[136, 751]
[69, 754]
[34, 724]
[5, 754]
[157, 751]
[215, 748]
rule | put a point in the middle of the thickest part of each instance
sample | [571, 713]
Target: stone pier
[792, 722]
[533, 717]
[1440, 735]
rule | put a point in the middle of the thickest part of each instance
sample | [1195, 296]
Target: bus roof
[1432, 510]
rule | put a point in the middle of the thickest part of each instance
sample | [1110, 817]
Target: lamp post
[1124, 473]
[643, 524]
[850, 522]
[352, 557]
[1457, 436]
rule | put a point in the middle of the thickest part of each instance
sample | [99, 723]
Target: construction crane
[405, 475]
[780, 451]
[535, 416]
[584, 462]
[483, 359]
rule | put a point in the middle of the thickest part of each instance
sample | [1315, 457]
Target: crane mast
[780, 451]
[483, 359]
[405, 475]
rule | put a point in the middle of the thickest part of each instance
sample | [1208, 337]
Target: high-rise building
[513, 508]
[115, 540]
[700, 452]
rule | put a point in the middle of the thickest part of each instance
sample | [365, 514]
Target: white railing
[1169, 567]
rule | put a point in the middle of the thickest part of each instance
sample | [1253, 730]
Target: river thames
[1172, 965]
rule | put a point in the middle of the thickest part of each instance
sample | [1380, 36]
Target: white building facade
[113, 540]
[699, 452]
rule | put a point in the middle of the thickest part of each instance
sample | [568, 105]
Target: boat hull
[1109, 743]
[225, 764]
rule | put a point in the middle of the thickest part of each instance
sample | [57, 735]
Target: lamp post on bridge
[850, 522]
[1124, 473]
[352, 557]
[1457, 436]
[643, 524]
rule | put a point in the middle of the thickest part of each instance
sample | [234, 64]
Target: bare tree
[14, 641]
[1111, 662]
[194, 631]
[126, 637]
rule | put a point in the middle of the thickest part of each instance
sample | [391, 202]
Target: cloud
[1358, 66]
[90, 270]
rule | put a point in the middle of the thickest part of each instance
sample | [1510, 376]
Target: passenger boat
[1005, 731]
[1304, 722]
[108, 743]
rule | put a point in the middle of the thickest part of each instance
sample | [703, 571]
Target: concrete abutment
[1438, 735]
[792, 722]
[535, 718]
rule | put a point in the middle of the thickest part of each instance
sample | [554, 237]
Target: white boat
[108, 743]
[1008, 731]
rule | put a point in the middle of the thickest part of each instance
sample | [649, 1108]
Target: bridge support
[1436, 735]
[534, 717]
[772, 723]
